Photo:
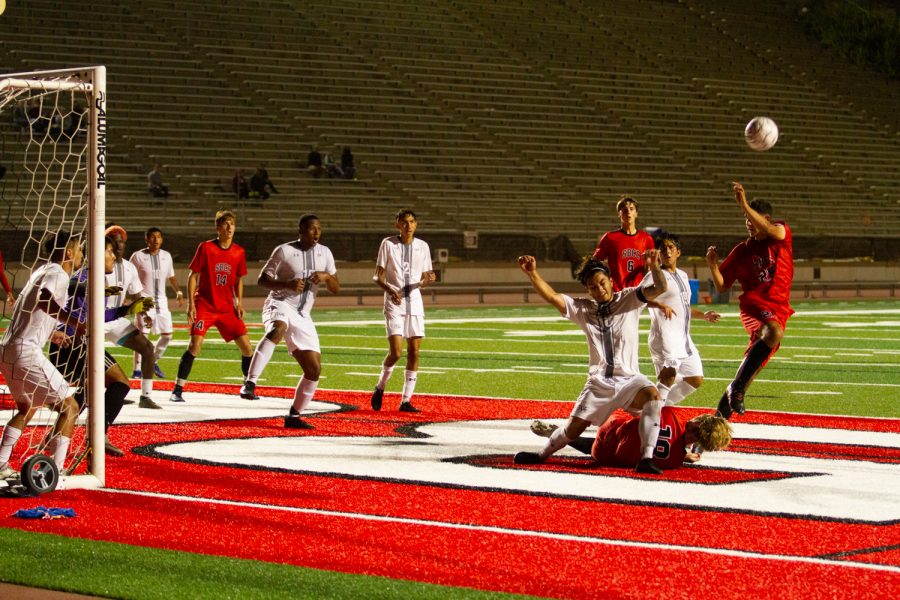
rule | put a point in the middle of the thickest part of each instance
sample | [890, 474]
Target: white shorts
[301, 331]
[601, 396]
[407, 326]
[689, 366]
[33, 379]
[162, 322]
[119, 330]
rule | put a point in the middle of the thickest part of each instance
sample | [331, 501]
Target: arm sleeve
[199, 260]
[602, 252]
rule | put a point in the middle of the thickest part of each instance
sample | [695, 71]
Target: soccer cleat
[7, 472]
[376, 398]
[736, 399]
[542, 429]
[158, 371]
[147, 402]
[136, 374]
[176, 397]
[248, 391]
[126, 401]
[645, 465]
[724, 408]
[408, 407]
[112, 450]
[295, 422]
[528, 458]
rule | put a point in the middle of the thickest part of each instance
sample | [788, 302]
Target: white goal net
[52, 183]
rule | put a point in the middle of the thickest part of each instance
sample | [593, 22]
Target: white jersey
[125, 276]
[671, 338]
[289, 261]
[154, 271]
[611, 330]
[403, 266]
[29, 327]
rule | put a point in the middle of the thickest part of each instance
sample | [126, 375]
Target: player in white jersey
[402, 269]
[675, 357]
[610, 324]
[32, 379]
[122, 331]
[293, 275]
[155, 267]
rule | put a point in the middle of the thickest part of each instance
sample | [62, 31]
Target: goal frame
[91, 80]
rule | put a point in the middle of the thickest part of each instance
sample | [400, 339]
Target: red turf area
[543, 544]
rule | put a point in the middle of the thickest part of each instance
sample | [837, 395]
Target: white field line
[518, 532]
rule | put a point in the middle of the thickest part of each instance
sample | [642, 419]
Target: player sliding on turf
[618, 441]
[610, 324]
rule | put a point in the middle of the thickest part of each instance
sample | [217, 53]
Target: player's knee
[772, 335]
[276, 333]
[694, 382]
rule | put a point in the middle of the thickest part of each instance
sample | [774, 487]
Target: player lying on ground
[610, 324]
[618, 441]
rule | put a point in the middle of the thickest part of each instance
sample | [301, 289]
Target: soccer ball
[761, 133]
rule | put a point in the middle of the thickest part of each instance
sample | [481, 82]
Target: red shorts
[754, 315]
[229, 324]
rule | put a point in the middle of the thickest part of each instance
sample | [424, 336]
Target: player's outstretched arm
[710, 315]
[528, 264]
[659, 279]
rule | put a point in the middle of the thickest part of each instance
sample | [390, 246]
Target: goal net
[52, 182]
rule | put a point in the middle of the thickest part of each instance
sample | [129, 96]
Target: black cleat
[646, 466]
[528, 458]
[248, 391]
[737, 401]
[376, 398]
[112, 450]
[408, 407]
[295, 422]
[724, 408]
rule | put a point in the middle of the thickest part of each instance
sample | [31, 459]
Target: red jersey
[765, 270]
[3, 280]
[618, 442]
[220, 270]
[623, 253]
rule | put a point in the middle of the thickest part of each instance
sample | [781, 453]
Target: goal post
[53, 141]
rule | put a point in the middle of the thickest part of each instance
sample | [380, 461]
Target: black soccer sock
[185, 365]
[755, 358]
[245, 365]
[114, 398]
[582, 444]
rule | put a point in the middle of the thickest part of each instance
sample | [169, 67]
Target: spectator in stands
[266, 179]
[75, 121]
[240, 187]
[155, 186]
[764, 266]
[314, 163]
[623, 249]
[10, 299]
[332, 169]
[347, 165]
[20, 118]
[258, 187]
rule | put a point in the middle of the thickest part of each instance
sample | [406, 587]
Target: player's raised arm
[760, 221]
[659, 284]
[528, 264]
[712, 260]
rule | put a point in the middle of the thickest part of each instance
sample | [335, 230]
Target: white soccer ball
[761, 133]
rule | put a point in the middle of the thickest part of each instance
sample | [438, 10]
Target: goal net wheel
[39, 474]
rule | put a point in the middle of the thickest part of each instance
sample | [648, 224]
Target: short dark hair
[152, 230]
[305, 219]
[761, 206]
[664, 236]
[403, 212]
[623, 200]
[55, 244]
[588, 267]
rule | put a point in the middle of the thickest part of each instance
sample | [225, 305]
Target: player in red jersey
[618, 441]
[623, 249]
[764, 266]
[10, 298]
[215, 298]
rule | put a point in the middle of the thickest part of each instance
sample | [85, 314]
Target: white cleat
[542, 429]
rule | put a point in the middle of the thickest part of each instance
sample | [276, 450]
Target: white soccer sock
[679, 392]
[385, 376]
[556, 442]
[11, 435]
[409, 385]
[303, 394]
[161, 344]
[649, 427]
[146, 387]
[663, 390]
[60, 449]
[261, 357]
